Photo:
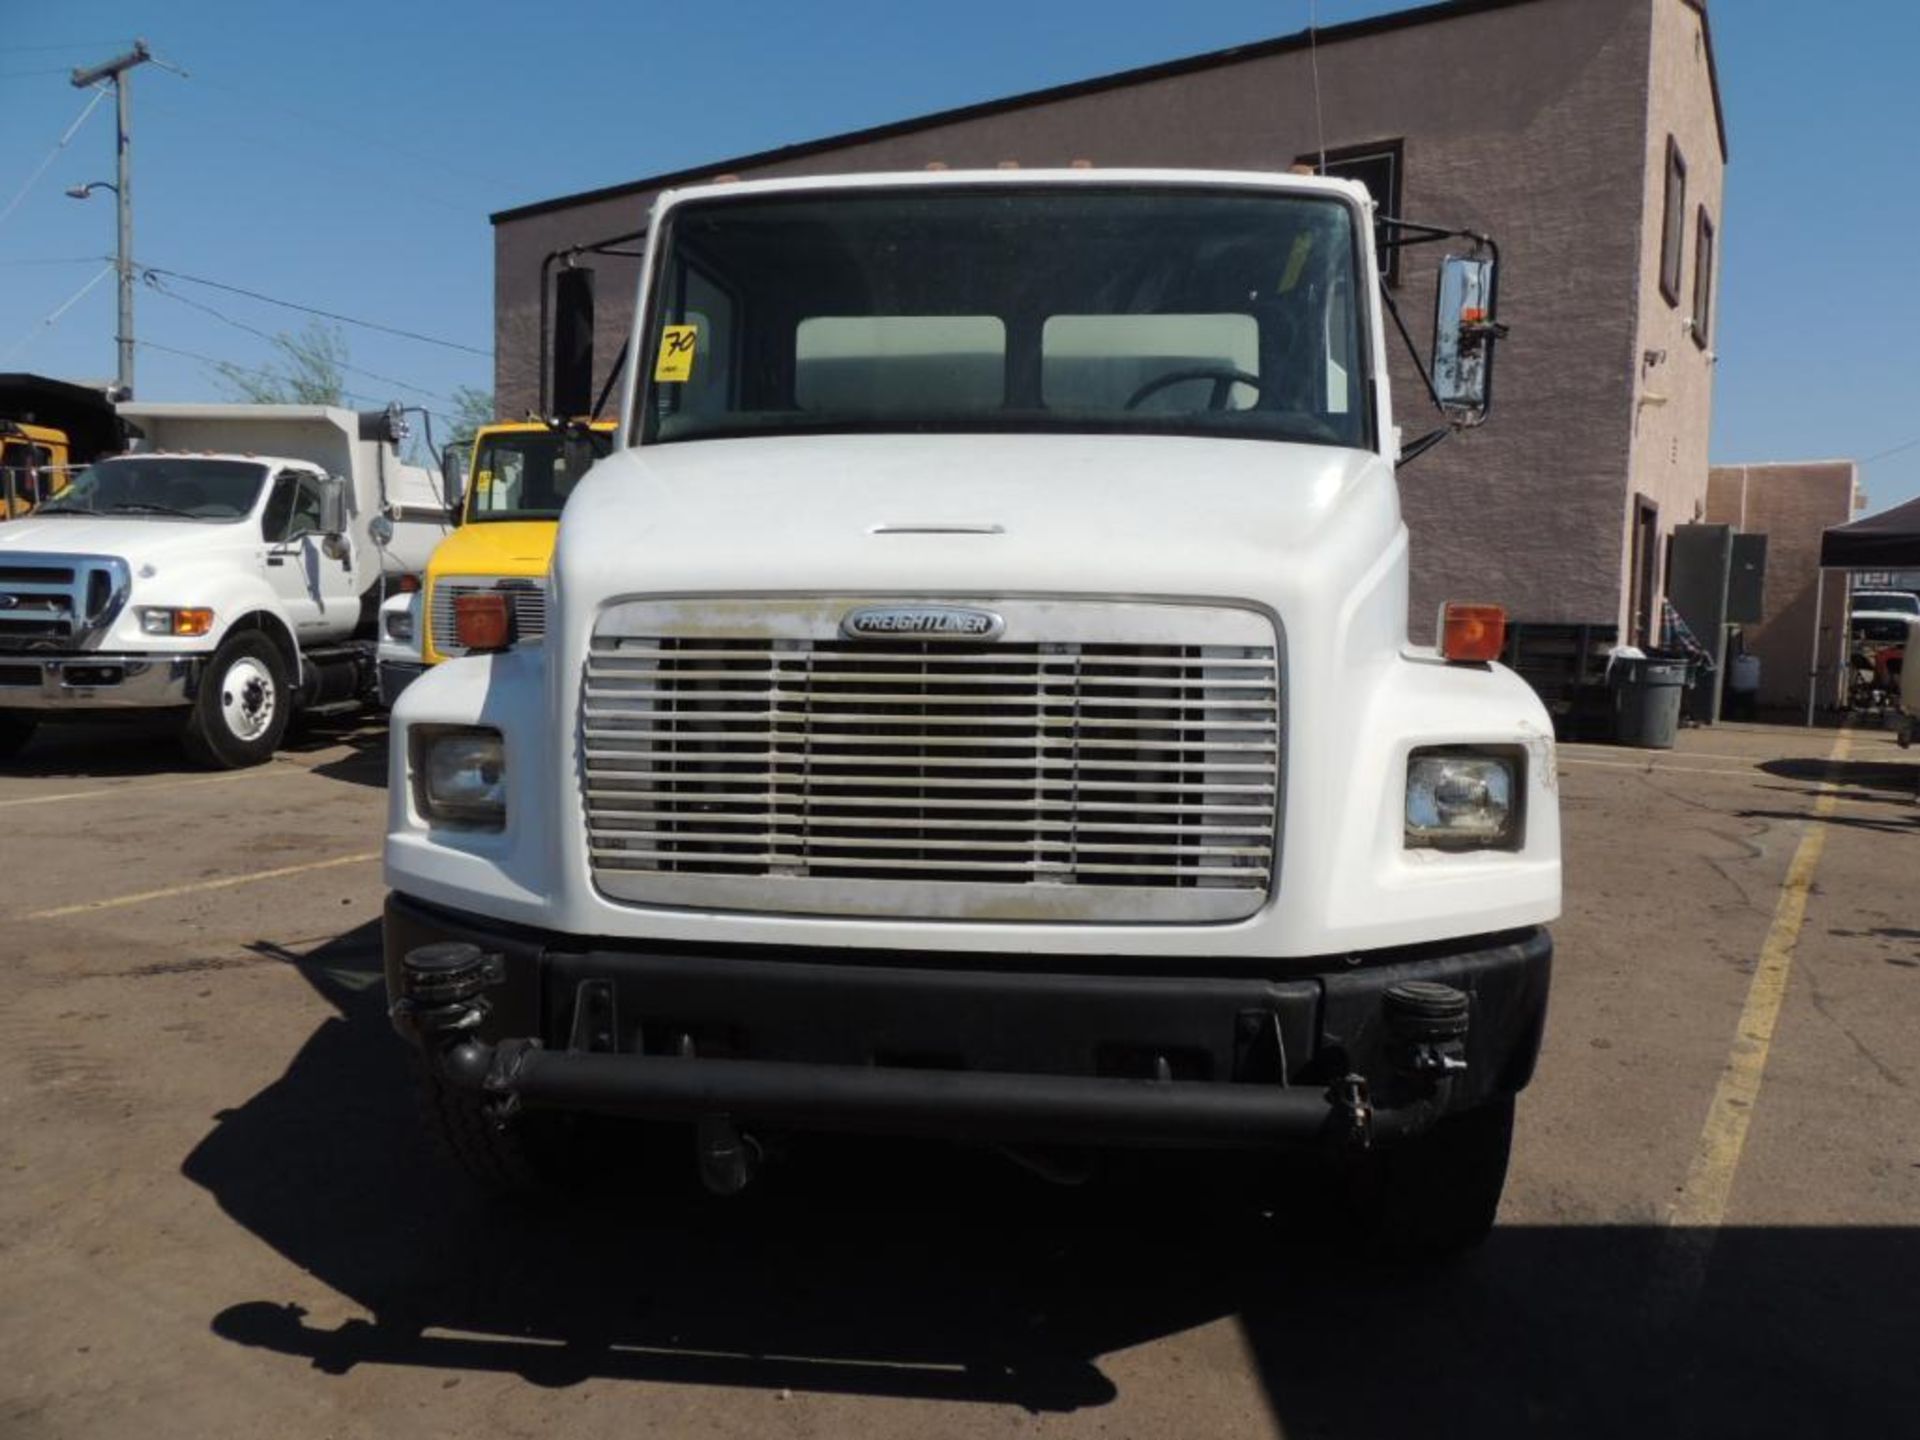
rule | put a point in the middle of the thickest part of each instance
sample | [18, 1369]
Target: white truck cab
[227, 571]
[976, 701]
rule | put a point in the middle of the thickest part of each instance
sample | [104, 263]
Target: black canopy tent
[1887, 541]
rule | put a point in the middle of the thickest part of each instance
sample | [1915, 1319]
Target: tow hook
[728, 1160]
[1353, 1106]
[1428, 1025]
[443, 990]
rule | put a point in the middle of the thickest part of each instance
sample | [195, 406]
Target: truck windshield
[526, 474]
[1888, 602]
[1183, 310]
[178, 487]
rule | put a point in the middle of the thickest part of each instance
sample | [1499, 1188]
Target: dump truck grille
[529, 599]
[1083, 777]
[56, 602]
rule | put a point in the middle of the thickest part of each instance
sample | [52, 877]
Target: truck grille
[56, 602]
[1082, 777]
[529, 598]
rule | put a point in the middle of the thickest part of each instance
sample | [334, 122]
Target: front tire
[246, 698]
[16, 729]
[1434, 1196]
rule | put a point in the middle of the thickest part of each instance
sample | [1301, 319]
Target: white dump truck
[977, 702]
[228, 569]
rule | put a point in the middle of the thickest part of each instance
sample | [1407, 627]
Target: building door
[1646, 548]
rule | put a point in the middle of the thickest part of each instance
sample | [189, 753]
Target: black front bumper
[1114, 1051]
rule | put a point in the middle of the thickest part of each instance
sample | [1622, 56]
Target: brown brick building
[1585, 135]
[1791, 504]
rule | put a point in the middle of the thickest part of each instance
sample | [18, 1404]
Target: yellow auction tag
[1297, 261]
[483, 482]
[675, 362]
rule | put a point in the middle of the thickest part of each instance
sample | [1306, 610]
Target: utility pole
[116, 70]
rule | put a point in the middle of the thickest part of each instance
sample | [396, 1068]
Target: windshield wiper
[149, 507]
[59, 509]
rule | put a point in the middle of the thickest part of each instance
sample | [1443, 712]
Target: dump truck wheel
[245, 701]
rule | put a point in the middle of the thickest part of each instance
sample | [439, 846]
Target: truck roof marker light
[482, 623]
[406, 584]
[1008, 165]
[1080, 164]
[936, 164]
[1472, 634]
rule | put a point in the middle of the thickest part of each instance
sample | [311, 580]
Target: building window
[1673, 225]
[1376, 166]
[1703, 280]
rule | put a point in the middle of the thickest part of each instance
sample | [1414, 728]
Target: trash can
[1646, 700]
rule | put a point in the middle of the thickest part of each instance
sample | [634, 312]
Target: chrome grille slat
[772, 764]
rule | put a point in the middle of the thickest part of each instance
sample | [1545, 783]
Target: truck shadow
[897, 1271]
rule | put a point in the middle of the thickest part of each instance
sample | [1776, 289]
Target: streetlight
[81, 192]
[117, 72]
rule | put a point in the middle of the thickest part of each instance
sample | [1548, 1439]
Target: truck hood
[973, 514]
[496, 547]
[149, 537]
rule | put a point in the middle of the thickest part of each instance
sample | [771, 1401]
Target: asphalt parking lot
[217, 1217]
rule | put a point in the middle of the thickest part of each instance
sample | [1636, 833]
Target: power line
[274, 339]
[53, 316]
[218, 364]
[53, 154]
[24, 74]
[1896, 450]
[151, 271]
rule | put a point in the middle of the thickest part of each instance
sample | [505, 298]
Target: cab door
[315, 589]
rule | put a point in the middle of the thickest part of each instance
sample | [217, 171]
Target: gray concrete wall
[1528, 121]
[1791, 504]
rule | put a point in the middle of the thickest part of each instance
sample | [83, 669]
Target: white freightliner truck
[228, 570]
[977, 702]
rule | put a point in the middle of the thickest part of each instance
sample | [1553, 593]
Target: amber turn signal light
[482, 622]
[196, 621]
[1472, 633]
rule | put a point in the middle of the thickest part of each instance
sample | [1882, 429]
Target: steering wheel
[1224, 378]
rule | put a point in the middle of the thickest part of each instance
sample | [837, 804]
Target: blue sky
[347, 156]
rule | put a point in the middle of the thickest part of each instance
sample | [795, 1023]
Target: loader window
[1197, 310]
[526, 475]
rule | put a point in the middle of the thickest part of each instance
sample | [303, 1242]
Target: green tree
[472, 408]
[307, 369]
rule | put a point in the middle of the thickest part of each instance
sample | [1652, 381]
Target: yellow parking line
[198, 886]
[104, 791]
[1701, 1208]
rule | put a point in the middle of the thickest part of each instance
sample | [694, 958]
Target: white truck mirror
[1464, 332]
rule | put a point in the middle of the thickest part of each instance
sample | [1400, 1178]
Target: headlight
[1463, 800]
[160, 620]
[460, 776]
[400, 625]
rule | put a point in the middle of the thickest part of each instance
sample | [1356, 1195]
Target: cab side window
[294, 509]
[277, 519]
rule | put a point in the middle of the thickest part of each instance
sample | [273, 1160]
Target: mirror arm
[613, 375]
[1413, 350]
[1412, 452]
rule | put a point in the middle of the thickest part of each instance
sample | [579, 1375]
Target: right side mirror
[453, 474]
[1464, 334]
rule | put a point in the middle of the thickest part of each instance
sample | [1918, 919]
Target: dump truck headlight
[187, 620]
[399, 625]
[460, 776]
[1463, 799]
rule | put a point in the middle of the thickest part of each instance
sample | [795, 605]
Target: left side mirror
[333, 517]
[1464, 335]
